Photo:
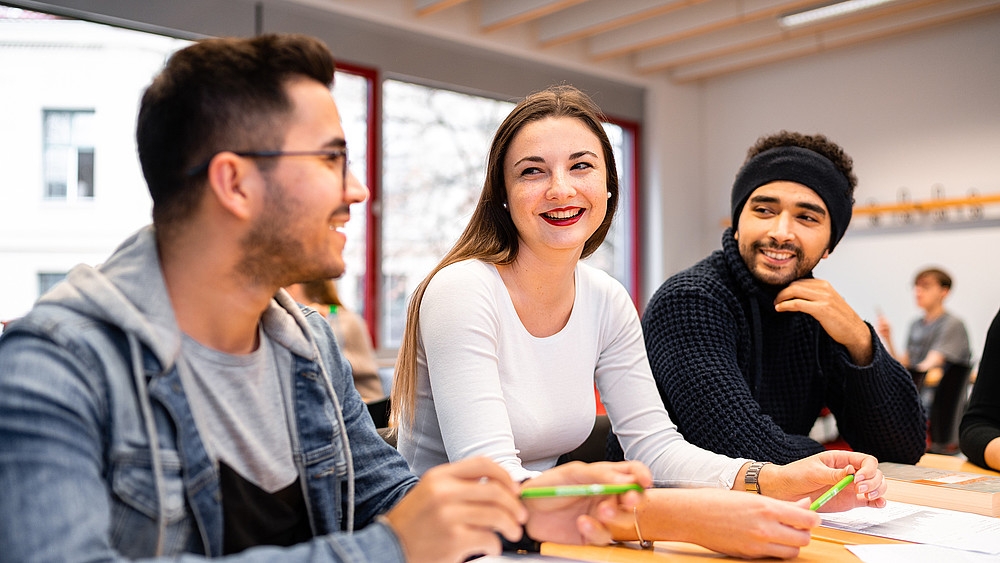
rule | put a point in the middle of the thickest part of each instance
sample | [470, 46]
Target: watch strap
[751, 481]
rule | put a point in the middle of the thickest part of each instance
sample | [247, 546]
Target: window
[352, 92]
[46, 280]
[617, 255]
[434, 155]
[68, 158]
[78, 85]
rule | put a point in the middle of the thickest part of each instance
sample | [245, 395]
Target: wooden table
[818, 551]
[827, 545]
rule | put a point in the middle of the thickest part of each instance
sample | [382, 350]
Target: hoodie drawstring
[346, 445]
[139, 375]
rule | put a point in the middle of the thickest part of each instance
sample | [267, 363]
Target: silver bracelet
[645, 544]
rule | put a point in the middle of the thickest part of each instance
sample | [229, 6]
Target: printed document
[921, 524]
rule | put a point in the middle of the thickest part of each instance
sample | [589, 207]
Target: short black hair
[215, 95]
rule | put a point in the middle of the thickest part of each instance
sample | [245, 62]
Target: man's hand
[814, 475]
[818, 299]
[454, 511]
[580, 520]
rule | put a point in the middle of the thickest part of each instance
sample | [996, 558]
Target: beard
[799, 268]
[273, 251]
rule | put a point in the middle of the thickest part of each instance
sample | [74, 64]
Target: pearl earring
[505, 205]
[609, 195]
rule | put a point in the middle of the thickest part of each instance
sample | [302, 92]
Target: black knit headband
[803, 166]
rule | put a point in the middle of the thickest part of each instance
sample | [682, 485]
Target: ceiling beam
[829, 37]
[766, 32]
[498, 14]
[688, 22]
[596, 17]
[428, 7]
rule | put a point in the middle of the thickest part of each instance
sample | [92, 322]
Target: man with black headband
[747, 347]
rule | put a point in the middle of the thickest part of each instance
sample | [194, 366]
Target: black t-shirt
[254, 517]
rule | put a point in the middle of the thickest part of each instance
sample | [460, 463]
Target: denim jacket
[100, 457]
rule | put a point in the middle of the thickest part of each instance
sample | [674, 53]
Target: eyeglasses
[330, 155]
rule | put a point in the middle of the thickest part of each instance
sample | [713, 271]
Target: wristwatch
[753, 472]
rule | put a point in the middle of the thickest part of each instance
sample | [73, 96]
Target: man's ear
[826, 254]
[227, 177]
[736, 235]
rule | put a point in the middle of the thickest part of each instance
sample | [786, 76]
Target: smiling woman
[507, 337]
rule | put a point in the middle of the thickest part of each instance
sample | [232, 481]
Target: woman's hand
[581, 520]
[735, 523]
[814, 475]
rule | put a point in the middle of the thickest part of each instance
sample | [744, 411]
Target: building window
[48, 279]
[69, 154]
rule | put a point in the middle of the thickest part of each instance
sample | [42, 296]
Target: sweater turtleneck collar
[761, 300]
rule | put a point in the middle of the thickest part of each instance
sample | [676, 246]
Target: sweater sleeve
[877, 407]
[637, 416]
[981, 423]
[691, 337]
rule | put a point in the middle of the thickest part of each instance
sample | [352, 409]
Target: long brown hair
[491, 235]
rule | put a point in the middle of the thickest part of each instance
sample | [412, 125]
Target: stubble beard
[762, 273]
[273, 253]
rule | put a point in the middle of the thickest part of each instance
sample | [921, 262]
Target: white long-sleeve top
[486, 386]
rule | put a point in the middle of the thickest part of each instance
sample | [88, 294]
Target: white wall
[916, 110]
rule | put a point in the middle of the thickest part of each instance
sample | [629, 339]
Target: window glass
[69, 154]
[614, 256]
[351, 94]
[72, 187]
[434, 151]
[48, 279]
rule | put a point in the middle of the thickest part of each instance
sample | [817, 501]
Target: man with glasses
[175, 401]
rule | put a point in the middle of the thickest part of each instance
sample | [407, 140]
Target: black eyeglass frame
[328, 153]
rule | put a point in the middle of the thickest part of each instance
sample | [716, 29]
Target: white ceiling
[688, 40]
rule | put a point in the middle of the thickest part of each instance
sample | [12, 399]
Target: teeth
[566, 214]
[777, 255]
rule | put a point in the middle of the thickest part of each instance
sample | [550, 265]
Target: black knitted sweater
[981, 423]
[743, 380]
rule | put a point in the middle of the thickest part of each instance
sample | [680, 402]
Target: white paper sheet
[921, 524]
[916, 553]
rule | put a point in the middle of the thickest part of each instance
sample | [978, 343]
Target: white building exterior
[61, 65]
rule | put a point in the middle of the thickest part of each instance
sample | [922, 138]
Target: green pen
[579, 490]
[831, 493]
